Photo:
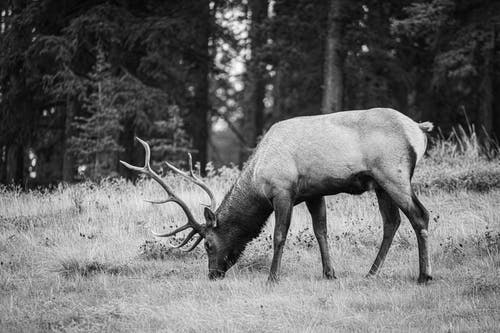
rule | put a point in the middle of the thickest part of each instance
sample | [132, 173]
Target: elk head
[219, 260]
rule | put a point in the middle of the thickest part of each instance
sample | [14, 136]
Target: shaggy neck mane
[243, 212]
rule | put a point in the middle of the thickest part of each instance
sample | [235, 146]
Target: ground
[82, 258]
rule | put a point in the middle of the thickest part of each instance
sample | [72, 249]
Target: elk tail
[426, 126]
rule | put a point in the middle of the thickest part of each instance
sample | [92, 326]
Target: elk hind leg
[419, 219]
[402, 194]
[317, 209]
[391, 221]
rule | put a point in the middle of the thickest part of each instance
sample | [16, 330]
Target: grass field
[81, 258]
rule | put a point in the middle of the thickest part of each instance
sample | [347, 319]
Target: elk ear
[210, 218]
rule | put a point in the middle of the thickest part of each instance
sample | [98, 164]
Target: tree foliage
[122, 67]
[80, 79]
[459, 39]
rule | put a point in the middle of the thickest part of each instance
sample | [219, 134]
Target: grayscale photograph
[249, 166]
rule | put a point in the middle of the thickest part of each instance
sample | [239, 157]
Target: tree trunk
[129, 154]
[496, 83]
[15, 164]
[278, 105]
[486, 99]
[333, 86]
[197, 124]
[68, 165]
[3, 164]
[11, 164]
[256, 85]
[486, 104]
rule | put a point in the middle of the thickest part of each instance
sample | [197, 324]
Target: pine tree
[460, 40]
[95, 142]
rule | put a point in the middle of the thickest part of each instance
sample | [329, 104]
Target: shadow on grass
[483, 287]
[22, 222]
[78, 321]
[254, 263]
[453, 253]
[74, 267]
[155, 250]
[470, 180]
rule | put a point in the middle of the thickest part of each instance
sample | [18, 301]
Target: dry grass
[81, 258]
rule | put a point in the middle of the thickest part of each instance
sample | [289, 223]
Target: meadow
[81, 258]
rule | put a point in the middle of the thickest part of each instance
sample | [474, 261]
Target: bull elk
[305, 159]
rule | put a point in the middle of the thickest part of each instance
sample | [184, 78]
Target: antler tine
[146, 169]
[192, 177]
[158, 202]
[171, 233]
[147, 156]
[195, 244]
[187, 239]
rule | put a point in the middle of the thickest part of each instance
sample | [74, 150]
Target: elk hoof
[424, 278]
[272, 280]
[330, 275]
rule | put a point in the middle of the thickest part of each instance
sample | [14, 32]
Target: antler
[191, 223]
[192, 177]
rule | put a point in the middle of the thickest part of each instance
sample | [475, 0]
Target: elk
[304, 159]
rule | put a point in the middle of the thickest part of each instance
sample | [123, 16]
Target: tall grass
[82, 258]
[464, 143]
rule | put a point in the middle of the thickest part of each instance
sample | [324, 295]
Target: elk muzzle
[215, 274]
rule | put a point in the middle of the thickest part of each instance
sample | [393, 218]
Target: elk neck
[244, 211]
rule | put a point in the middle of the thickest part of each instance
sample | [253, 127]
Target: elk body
[305, 159]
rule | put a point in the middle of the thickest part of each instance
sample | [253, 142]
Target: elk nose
[215, 275]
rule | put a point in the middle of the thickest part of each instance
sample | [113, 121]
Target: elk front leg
[283, 207]
[317, 209]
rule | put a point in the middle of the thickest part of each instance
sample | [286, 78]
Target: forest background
[80, 79]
